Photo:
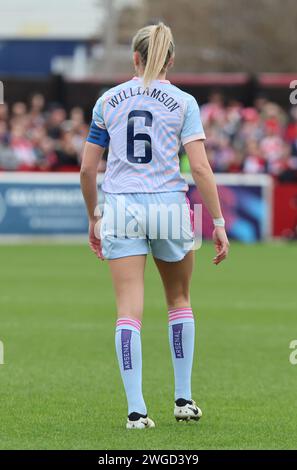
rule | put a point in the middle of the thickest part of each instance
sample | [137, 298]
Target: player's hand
[94, 237]
[221, 243]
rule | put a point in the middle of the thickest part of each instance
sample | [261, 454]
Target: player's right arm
[205, 182]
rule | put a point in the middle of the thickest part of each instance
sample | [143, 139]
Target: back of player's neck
[161, 77]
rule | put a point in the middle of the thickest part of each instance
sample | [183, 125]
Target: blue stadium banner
[246, 202]
[51, 204]
[41, 204]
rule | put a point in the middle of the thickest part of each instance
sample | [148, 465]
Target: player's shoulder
[113, 91]
[186, 97]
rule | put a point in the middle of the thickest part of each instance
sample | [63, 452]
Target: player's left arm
[92, 156]
[97, 141]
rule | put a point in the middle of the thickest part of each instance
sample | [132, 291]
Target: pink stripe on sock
[186, 312]
[175, 310]
[181, 317]
[128, 321]
[181, 312]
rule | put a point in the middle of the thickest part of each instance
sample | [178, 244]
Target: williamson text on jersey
[156, 93]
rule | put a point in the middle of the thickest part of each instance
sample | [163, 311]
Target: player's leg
[128, 280]
[176, 277]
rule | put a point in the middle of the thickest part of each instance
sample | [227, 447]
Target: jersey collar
[161, 81]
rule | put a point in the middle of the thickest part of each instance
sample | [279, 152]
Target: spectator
[67, 152]
[3, 133]
[36, 110]
[253, 161]
[19, 109]
[4, 115]
[272, 146]
[257, 139]
[22, 147]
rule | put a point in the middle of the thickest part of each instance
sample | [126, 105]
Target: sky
[53, 19]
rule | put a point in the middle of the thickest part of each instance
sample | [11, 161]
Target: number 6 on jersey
[131, 137]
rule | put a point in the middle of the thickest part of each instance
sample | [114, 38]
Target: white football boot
[138, 421]
[186, 410]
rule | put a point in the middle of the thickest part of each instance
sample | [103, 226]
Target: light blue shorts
[140, 223]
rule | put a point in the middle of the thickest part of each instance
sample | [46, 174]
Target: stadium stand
[43, 136]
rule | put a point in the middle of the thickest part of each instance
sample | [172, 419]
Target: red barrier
[285, 210]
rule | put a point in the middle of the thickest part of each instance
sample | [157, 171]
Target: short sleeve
[192, 127]
[98, 133]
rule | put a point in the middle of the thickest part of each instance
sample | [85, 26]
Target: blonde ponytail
[156, 47]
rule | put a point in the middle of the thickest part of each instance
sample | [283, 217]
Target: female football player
[143, 122]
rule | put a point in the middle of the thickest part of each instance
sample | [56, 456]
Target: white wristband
[219, 222]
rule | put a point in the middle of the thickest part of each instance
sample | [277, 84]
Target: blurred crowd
[258, 139]
[36, 138]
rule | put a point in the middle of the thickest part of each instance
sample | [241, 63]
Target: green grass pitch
[60, 384]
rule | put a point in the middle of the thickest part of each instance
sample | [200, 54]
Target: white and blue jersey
[145, 205]
[144, 128]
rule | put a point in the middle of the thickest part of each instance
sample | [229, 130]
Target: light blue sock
[128, 348]
[181, 339]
